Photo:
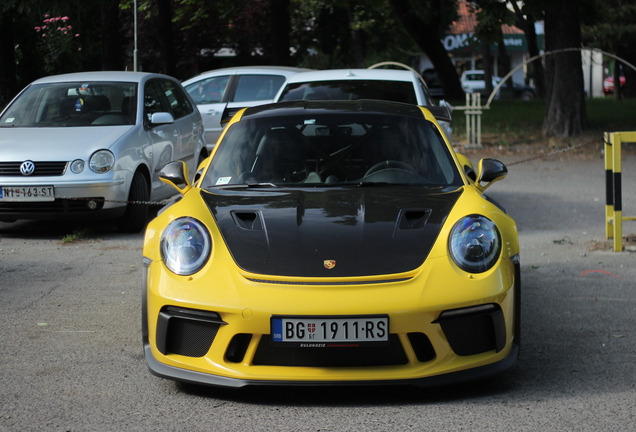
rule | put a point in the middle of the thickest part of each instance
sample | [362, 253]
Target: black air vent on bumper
[474, 330]
[422, 347]
[268, 355]
[186, 332]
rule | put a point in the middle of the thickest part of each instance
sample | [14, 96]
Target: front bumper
[443, 340]
[74, 200]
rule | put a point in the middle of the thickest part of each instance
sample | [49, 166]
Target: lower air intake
[391, 355]
[186, 332]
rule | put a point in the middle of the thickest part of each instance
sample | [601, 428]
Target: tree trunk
[504, 67]
[112, 58]
[618, 92]
[487, 65]
[565, 113]
[168, 52]
[280, 32]
[629, 91]
[527, 24]
[356, 40]
[9, 87]
[427, 38]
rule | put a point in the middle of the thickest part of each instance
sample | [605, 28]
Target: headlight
[102, 161]
[185, 246]
[474, 244]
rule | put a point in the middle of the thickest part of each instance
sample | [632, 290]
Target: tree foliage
[525, 17]
[426, 22]
[612, 28]
[181, 37]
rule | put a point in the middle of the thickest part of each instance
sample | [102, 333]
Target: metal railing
[613, 186]
[473, 111]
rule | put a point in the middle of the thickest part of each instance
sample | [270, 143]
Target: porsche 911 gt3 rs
[332, 243]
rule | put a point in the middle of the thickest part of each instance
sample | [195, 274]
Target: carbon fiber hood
[336, 232]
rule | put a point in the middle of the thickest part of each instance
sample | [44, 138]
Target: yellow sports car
[332, 243]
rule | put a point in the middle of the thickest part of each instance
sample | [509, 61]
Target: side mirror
[160, 118]
[490, 171]
[175, 174]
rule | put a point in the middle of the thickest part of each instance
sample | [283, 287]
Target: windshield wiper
[244, 185]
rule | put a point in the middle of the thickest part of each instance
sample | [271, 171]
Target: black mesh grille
[41, 169]
[190, 337]
[268, 355]
[476, 330]
[57, 206]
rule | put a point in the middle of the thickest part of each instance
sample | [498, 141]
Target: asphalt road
[71, 357]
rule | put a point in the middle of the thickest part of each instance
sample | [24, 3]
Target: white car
[403, 86]
[473, 81]
[234, 88]
[91, 145]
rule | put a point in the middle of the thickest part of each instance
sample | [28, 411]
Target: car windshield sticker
[310, 121]
[223, 180]
[79, 104]
[84, 87]
[9, 120]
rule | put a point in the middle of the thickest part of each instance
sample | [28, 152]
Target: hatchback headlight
[102, 161]
[185, 246]
[474, 244]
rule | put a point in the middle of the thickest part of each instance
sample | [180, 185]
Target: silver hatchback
[91, 145]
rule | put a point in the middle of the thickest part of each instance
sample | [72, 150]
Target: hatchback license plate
[330, 330]
[33, 193]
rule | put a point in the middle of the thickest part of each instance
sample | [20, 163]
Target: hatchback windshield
[394, 91]
[73, 104]
[335, 148]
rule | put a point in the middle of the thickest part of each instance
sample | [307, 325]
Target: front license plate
[330, 331]
[33, 193]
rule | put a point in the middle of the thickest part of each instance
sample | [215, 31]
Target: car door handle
[212, 113]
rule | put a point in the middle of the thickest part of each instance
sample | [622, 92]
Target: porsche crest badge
[329, 264]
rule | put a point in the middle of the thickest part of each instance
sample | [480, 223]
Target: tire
[136, 215]
[527, 95]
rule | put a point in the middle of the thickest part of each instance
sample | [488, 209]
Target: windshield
[332, 149]
[394, 91]
[73, 104]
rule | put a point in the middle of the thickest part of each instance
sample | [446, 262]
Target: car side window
[210, 90]
[257, 87]
[153, 100]
[179, 104]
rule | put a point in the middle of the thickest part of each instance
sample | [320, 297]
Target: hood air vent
[413, 219]
[248, 220]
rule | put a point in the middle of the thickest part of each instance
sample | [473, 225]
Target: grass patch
[79, 234]
[512, 122]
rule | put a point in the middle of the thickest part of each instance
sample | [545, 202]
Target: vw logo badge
[27, 168]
